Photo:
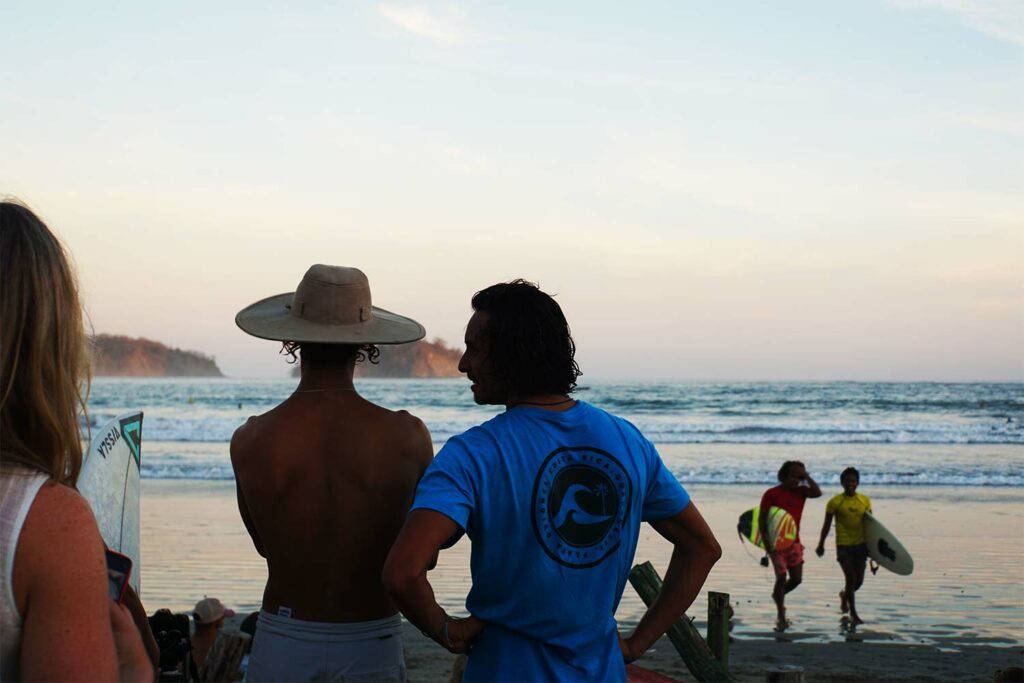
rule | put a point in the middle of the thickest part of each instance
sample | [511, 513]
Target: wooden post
[225, 657]
[787, 673]
[684, 637]
[718, 626]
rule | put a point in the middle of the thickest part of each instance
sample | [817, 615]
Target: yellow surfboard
[781, 527]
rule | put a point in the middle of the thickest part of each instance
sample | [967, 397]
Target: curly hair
[784, 470]
[329, 353]
[44, 359]
[528, 338]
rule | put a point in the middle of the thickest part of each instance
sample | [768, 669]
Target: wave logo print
[580, 505]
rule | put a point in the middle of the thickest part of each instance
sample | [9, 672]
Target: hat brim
[271, 319]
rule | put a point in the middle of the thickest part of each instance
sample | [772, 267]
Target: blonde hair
[44, 362]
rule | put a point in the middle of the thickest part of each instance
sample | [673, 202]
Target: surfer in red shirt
[795, 487]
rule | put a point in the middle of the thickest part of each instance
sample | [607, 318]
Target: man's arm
[694, 554]
[814, 491]
[237, 447]
[820, 550]
[243, 510]
[762, 525]
[405, 579]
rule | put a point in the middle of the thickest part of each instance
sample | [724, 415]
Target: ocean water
[943, 464]
[898, 434]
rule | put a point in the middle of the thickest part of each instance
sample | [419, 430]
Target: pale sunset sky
[741, 190]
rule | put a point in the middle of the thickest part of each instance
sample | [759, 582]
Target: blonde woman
[56, 621]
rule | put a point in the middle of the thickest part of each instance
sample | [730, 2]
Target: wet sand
[960, 616]
[749, 659]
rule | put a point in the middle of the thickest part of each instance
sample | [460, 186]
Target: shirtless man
[324, 482]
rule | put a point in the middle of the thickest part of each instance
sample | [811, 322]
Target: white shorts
[287, 649]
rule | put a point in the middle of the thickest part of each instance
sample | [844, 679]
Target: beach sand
[960, 616]
[427, 662]
[749, 659]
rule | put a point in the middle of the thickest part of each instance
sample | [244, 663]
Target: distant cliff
[117, 356]
[420, 360]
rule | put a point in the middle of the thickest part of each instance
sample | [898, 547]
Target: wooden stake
[684, 637]
[785, 674]
[718, 626]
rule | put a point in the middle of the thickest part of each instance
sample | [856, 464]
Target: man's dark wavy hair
[528, 339]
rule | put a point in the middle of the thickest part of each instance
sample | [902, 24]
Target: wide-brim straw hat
[332, 305]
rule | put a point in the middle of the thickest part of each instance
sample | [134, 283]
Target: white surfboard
[109, 480]
[885, 549]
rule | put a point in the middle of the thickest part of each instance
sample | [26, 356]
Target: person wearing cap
[208, 616]
[324, 482]
[552, 492]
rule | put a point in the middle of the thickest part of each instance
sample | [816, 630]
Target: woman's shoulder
[63, 502]
[60, 522]
[59, 545]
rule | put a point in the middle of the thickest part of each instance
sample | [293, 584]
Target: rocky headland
[120, 356]
[419, 360]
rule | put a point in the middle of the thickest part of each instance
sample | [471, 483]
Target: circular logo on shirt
[580, 504]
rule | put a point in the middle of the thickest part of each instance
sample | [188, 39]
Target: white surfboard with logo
[885, 549]
[109, 480]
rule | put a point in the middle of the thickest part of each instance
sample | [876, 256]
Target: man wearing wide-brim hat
[324, 483]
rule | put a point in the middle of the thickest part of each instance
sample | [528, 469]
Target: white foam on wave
[207, 473]
[172, 466]
[218, 429]
[668, 431]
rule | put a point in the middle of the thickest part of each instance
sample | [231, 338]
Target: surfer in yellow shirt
[848, 509]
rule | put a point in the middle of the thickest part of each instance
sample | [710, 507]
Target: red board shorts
[784, 560]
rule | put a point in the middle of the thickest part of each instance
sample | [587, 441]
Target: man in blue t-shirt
[551, 492]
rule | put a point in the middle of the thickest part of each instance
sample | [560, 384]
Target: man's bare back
[325, 481]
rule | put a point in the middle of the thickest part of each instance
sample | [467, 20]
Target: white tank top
[18, 488]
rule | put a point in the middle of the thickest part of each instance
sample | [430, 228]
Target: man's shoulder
[768, 498]
[258, 424]
[247, 433]
[599, 417]
[490, 432]
[593, 412]
[481, 440]
[401, 420]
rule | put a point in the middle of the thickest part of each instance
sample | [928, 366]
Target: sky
[734, 191]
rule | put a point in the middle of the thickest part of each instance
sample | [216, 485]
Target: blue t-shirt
[552, 502]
